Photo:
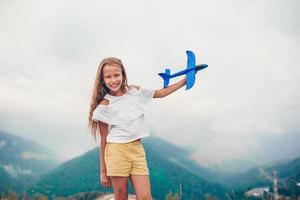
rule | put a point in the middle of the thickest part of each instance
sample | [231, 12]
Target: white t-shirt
[125, 115]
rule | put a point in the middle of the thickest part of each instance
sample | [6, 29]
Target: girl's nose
[113, 80]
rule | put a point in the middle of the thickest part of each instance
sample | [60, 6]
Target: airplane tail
[166, 76]
[191, 63]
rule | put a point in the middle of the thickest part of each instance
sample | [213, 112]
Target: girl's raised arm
[170, 89]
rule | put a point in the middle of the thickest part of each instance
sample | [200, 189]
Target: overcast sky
[244, 105]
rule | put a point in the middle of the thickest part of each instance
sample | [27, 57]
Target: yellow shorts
[125, 159]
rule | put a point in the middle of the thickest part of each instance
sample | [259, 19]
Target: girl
[117, 113]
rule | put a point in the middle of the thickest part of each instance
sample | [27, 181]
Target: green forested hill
[81, 174]
[6, 181]
[169, 166]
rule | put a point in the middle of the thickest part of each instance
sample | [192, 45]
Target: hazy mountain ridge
[26, 153]
[22, 161]
[262, 176]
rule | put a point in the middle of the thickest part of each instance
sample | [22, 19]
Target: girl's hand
[170, 89]
[105, 180]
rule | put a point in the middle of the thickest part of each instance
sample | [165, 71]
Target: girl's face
[113, 79]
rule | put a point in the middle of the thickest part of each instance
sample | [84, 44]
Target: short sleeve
[147, 94]
[102, 114]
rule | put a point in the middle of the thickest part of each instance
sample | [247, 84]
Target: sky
[244, 106]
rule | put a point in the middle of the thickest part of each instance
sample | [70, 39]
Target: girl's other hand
[105, 180]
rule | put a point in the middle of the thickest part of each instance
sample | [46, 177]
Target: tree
[210, 197]
[39, 196]
[12, 195]
[170, 196]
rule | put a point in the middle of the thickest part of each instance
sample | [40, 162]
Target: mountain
[263, 177]
[26, 165]
[22, 161]
[169, 167]
[6, 181]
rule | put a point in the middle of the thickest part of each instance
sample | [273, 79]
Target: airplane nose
[202, 66]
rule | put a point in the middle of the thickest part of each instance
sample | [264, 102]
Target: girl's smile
[113, 79]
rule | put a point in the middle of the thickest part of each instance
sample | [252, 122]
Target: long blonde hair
[100, 90]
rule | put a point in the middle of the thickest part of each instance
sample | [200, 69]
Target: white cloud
[2, 143]
[15, 171]
[30, 155]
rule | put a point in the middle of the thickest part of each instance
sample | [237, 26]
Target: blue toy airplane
[190, 72]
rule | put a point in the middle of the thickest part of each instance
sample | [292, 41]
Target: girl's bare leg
[120, 185]
[141, 185]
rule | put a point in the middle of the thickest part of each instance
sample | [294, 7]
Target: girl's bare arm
[170, 89]
[105, 181]
[103, 131]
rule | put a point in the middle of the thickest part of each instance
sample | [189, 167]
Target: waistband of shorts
[138, 141]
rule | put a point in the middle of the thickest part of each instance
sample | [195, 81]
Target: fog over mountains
[243, 106]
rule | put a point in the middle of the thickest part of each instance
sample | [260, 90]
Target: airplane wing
[190, 76]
